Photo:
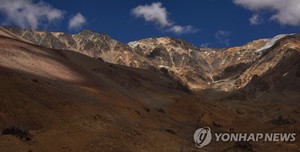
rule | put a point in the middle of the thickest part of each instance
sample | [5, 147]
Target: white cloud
[26, 13]
[226, 42]
[178, 29]
[256, 19]
[286, 12]
[158, 14]
[222, 36]
[77, 21]
[205, 45]
[153, 13]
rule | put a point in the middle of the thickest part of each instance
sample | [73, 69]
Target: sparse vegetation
[18, 132]
[283, 121]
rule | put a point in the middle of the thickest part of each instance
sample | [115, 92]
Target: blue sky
[206, 23]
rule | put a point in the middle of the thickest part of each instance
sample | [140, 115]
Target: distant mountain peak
[198, 68]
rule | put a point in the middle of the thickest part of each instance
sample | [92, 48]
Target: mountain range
[90, 92]
[226, 69]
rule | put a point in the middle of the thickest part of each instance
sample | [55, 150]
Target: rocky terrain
[197, 68]
[93, 44]
[88, 92]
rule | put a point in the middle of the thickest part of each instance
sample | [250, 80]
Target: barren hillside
[62, 100]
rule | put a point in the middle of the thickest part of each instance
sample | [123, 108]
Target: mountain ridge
[196, 68]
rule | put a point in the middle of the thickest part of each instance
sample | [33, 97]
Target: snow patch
[163, 66]
[270, 43]
[133, 44]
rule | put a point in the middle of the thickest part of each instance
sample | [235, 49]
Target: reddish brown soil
[71, 102]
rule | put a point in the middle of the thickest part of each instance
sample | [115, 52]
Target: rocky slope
[93, 44]
[276, 73]
[227, 69]
[178, 58]
[199, 68]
